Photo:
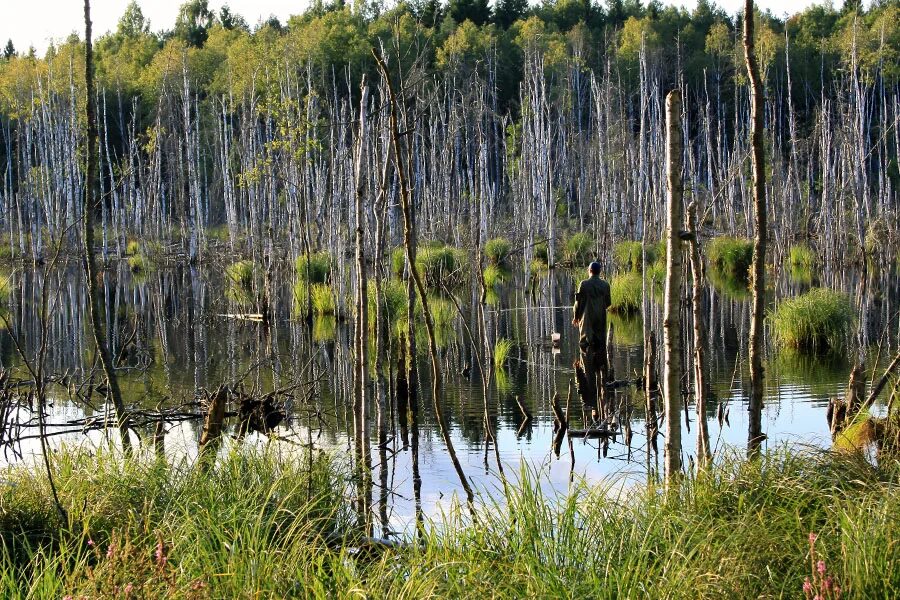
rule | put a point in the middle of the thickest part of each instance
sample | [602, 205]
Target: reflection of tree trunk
[755, 435]
[672, 309]
[703, 450]
[362, 323]
[410, 244]
[91, 200]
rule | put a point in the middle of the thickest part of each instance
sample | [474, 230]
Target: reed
[629, 255]
[495, 275]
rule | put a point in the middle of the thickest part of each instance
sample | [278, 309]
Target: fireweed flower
[820, 566]
[807, 586]
[160, 553]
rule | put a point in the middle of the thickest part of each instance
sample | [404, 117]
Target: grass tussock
[801, 256]
[578, 249]
[626, 290]
[240, 274]
[629, 256]
[497, 251]
[158, 530]
[257, 522]
[495, 275]
[441, 265]
[318, 296]
[438, 264]
[502, 348]
[818, 320]
[730, 255]
[313, 268]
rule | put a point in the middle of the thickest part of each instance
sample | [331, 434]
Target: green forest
[465, 300]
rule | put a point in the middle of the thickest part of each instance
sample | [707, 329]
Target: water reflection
[180, 331]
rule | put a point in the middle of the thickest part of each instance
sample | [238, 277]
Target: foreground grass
[256, 527]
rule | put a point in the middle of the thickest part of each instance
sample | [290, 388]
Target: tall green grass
[818, 320]
[246, 525]
[319, 296]
[495, 275]
[257, 525]
[502, 348]
[628, 255]
[439, 264]
[313, 268]
[801, 256]
[241, 273]
[497, 250]
[730, 255]
[626, 291]
[578, 249]
[801, 262]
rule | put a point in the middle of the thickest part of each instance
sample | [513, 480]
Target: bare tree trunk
[91, 200]
[704, 454]
[758, 270]
[409, 243]
[672, 307]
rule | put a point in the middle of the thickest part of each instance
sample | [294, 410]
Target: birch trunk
[672, 304]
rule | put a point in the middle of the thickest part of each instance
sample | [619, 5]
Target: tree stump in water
[214, 421]
[842, 410]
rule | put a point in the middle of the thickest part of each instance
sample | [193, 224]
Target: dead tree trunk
[758, 270]
[409, 244]
[704, 454]
[91, 201]
[672, 307]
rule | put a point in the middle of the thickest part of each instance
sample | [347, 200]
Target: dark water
[175, 335]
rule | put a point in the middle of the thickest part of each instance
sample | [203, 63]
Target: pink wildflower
[90, 542]
[812, 538]
[160, 553]
[820, 567]
[807, 586]
[828, 582]
[129, 588]
[111, 551]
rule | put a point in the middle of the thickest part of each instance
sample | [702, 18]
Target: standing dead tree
[672, 305]
[758, 269]
[704, 453]
[410, 246]
[92, 201]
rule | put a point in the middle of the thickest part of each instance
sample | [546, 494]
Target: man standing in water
[591, 302]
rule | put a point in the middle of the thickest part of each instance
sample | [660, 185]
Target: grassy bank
[257, 525]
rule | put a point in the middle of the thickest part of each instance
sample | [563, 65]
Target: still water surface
[175, 334]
